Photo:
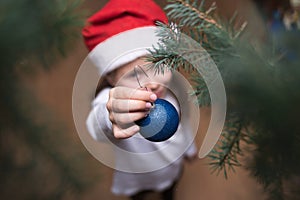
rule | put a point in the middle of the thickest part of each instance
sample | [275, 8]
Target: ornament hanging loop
[137, 77]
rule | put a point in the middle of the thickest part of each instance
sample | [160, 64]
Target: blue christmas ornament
[161, 123]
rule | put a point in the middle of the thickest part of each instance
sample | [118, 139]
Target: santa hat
[122, 31]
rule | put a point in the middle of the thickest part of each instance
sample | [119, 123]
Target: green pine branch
[225, 155]
[261, 80]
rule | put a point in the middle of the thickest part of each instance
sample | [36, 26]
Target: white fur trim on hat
[123, 48]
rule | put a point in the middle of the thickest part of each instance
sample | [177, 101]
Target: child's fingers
[123, 119]
[121, 133]
[125, 106]
[130, 93]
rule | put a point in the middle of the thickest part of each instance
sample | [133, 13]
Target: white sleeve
[98, 123]
[191, 151]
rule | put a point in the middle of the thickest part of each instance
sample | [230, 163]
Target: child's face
[127, 76]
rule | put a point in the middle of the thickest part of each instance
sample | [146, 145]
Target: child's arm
[98, 123]
[125, 106]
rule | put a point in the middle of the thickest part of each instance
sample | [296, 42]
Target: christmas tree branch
[224, 155]
[262, 87]
[203, 16]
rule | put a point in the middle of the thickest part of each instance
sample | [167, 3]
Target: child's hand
[125, 106]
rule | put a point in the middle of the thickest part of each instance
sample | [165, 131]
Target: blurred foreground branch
[38, 161]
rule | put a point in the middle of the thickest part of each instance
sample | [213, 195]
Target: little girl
[119, 36]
